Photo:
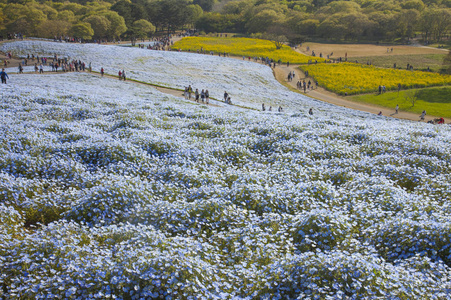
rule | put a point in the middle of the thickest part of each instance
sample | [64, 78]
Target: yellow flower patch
[243, 47]
[354, 78]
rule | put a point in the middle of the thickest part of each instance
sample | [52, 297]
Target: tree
[308, 27]
[117, 24]
[435, 22]
[356, 25]
[2, 21]
[171, 14]
[100, 25]
[130, 11]
[82, 30]
[215, 22]
[52, 28]
[66, 15]
[206, 5]
[332, 28]
[407, 21]
[413, 4]
[263, 20]
[411, 96]
[447, 64]
[142, 28]
[27, 21]
[194, 12]
[443, 23]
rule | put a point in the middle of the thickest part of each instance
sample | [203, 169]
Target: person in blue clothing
[3, 75]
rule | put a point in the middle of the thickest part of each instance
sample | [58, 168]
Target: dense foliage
[96, 19]
[297, 19]
[294, 20]
[112, 189]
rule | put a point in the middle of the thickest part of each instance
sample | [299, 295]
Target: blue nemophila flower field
[111, 189]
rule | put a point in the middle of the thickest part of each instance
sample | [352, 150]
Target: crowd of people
[280, 109]
[202, 96]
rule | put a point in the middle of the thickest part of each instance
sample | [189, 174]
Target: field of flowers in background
[352, 78]
[243, 47]
[111, 189]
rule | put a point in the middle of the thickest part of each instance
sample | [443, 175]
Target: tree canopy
[350, 20]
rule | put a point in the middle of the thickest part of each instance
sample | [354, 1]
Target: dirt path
[281, 74]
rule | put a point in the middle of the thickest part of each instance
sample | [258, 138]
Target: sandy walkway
[281, 73]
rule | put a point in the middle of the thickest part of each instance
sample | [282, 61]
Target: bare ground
[357, 50]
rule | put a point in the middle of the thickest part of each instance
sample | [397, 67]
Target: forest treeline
[290, 20]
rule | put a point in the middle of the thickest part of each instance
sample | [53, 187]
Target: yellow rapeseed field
[354, 78]
[243, 47]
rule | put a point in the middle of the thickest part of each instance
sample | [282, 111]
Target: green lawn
[418, 61]
[436, 101]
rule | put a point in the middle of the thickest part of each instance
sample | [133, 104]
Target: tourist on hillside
[196, 95]
[123, 75]
[280, 109]
[263, 107]
[120, 74]
[396, 109]
[41, 69]
[380, 113]
[202, 96]
[190, 91]
[20, 68]
[3, 76]
[423, 114]
[102, 71]
[310, 112]
[225, 96]
[207, 97]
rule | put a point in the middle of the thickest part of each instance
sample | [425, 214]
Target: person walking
[207, 96]
[123, 75]
[102, 71]
[196, 95]
[396, 109]
[310, 112]
[225, 96]
[120, 74]
[423, 114]
[202, 96]
[3, 76]
[190, 91]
